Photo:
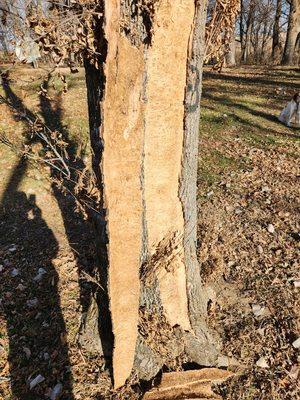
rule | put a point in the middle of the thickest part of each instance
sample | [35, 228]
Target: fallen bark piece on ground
[189, 385]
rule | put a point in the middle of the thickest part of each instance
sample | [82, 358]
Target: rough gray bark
[197, 295]
[120, 97]
[230, 56]
[291, 48]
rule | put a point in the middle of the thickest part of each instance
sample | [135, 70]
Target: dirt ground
[249, 233]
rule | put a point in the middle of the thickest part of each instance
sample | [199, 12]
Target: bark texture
[292, 43]
[230, 56]
[189, 385]
[148, 173]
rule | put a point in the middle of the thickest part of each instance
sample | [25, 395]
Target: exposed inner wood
[164, 115]
[122, 132]
[143, 115]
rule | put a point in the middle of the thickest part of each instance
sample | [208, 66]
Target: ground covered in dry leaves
[249, 229]
[249, 232]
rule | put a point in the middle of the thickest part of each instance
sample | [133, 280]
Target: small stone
[1, 268]
[297, 283]
[32, 302]
[56, 391]
[15, 272]
[37, 316]
[294, 372]
[209, 194]
[258, 310]
[265, 189]
[260, 249]
[30, 215]
[271, 228]
[46, 356]
[36, 381]
[12, 248]
[27, 352]
[40, 274]
[262, 363]
[296, 343]
[21, 287]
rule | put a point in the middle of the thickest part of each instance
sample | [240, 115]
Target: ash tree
[143, 61]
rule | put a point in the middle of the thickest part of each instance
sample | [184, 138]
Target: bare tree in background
[230, 57]
[248, 30]
[292, 44]
[276, 41]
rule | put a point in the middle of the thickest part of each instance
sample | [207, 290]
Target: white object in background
[290, 115]
[27, 50]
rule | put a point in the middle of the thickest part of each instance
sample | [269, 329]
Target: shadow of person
[30, 298]
[80, 232]
[96, 338]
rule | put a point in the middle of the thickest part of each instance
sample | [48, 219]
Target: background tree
[248, 17]
[276, 40]
[292, 43]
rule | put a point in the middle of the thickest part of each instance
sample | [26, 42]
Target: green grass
[244, 107]
[215, 164]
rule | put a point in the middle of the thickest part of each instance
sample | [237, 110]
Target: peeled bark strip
[189, 385]
[122, 132]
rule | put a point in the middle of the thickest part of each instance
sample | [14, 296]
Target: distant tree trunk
[248, 33]
[292, 41]
[267, 33]
[144, 120]
[242, 36]
[276, 42]
[230, 56]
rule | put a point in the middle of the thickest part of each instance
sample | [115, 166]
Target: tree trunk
[248, 33]
[291, 43]
[242, 35]
[230, 56]
[276, 43]
[145, 140]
